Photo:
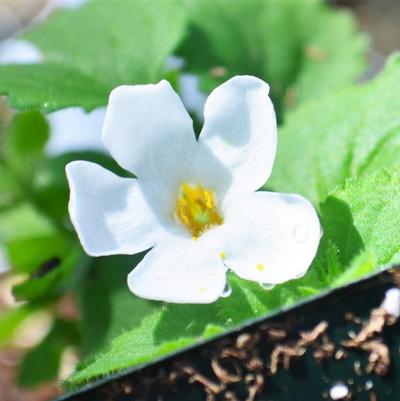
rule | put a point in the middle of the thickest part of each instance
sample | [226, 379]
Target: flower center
[196, 209]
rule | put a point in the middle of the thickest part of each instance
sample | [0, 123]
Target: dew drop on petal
[227, 291]
[267, 286]
[300, 232]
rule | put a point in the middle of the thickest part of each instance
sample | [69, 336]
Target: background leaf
[327, 141]
[112, 43]
[319, 53]
[41, 364]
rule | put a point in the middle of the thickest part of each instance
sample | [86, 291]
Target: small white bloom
[18, 51]
[391, 302]
[73, 130]
[194, 201]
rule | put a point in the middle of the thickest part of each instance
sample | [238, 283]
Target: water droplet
[227, 291]
[300, 233]
[267, 286]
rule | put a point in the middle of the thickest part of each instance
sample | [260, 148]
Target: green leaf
[107, 306]
[25, 142]
[10, 321]
[303, 49]
[27, 254]
[327, 141]
[47, 280]
[42, 363]
[28, 134]
[23, 221]
[111, 43]
[374, 202]
[50, 86]
[362, 265]
[21, 151]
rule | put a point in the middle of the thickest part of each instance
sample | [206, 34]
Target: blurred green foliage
[301, 48]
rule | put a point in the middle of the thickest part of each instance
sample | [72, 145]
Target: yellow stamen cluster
[260, 267]
[196, 209]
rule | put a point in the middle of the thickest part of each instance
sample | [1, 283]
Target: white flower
[18, 51]
[74, 130]
[194, 201]
[391, 302]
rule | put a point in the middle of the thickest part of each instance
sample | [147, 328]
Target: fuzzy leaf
[327, 141]
[111, 43]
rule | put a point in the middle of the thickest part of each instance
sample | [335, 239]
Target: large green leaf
[374, 202]
[329, 140]
[302, 48]
[23, 221]
[111, 43]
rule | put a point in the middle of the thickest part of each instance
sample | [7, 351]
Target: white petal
[109, 213]
[16, 51]
[240, 128]
[74, 130]
[271, 237]
[181, 270]
[148, 131]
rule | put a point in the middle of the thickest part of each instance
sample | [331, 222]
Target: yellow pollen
[196, 209]
[260, 267]
[222, 255]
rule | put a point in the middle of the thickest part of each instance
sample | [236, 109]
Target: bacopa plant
[172, 169]
[194, 201]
